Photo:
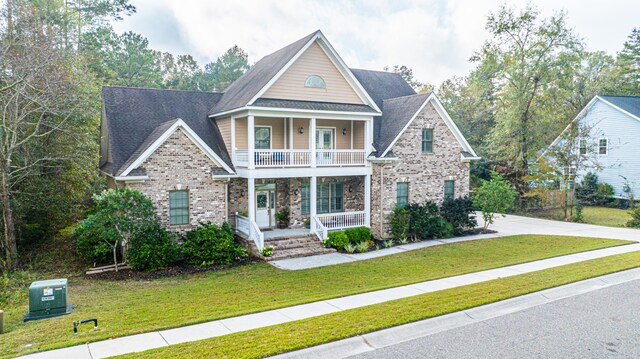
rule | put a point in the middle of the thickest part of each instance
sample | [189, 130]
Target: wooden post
[1, 322]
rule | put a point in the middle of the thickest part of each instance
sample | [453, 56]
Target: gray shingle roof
[241, 91]
[396, 113]
[133, 115]
[312, 105]
[153, 136]
[630, 104]
[382, 85]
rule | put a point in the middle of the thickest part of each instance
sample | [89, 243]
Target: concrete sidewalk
[157, 339]
[505, 226]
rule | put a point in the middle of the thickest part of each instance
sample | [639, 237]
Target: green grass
[601, 216]
[130, 307]
[314, 331]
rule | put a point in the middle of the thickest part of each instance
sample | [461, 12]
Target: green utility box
[48, 298]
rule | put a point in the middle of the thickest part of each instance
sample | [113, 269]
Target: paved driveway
[598, 324]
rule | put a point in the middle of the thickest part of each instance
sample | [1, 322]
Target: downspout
[226, 201]
[381, 197]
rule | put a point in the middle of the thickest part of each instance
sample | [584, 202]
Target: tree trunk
[10, 245]
[115, 256]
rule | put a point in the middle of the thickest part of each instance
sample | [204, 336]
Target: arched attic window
[315, 81]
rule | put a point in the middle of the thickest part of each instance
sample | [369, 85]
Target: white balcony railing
[300, 158]
[250, 229]
[342, 220]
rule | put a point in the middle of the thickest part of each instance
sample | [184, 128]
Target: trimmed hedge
[210, 244]
[358, 235]
[151, 248]
[338, 240]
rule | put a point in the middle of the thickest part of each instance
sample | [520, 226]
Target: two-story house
[299, 132]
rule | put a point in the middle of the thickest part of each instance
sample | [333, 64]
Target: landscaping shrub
[400, 219]
[592, 192]
[494, 196]
[460, 213]
[210, 244]
[634, 222]
[338, 240]
[151, 248]
[92, 240]
[358, 235]
[426, 222]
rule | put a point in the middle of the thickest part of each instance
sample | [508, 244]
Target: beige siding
[224, 125]
[241, 133]
[313, 62]
[358, 134]
[277, 130]
[343, 142]
[300, 141]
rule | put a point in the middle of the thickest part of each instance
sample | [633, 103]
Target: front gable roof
[133, 114]
[246, 90]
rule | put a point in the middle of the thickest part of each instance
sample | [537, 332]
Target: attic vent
[315, 81]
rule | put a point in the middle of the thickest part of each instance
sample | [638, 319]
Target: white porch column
[233, 140]
[312, 201]
[312, 140]
[251, 200]
[291, 155]
[251, 142]
[367, 199]
[368, 134]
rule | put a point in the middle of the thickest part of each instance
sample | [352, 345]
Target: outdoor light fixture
[350, 189]
[301, 130]
[344, 131]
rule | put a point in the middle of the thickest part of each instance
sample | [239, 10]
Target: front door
[324, 141]
[265, 205]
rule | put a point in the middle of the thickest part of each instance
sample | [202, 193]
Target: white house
[613, 123]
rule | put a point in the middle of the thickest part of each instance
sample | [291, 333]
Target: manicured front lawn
[129, 307]
[305, 333]
[601, 216]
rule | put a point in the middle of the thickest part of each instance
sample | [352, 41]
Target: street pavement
[604, 323]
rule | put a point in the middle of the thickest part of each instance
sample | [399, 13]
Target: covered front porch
[275, 207]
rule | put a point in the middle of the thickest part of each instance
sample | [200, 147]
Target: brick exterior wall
[179, 164]
[425, 172]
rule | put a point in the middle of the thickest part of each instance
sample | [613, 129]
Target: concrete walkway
[157, 339]
[505, 226]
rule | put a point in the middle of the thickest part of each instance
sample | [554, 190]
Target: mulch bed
[175, 270]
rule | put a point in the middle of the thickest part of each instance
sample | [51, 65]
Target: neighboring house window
[449, 189]
[571, 184]
[402, 194]
[603, 146]
[315, 81]
[583, 147]
[263, 138]
[427, 140]
[178, 207]
[329, 198]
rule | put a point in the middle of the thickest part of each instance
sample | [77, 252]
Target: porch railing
[320, 230]
[342, 220]
[300, 158]
[250, 228]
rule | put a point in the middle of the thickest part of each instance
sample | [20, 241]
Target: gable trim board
[447, 120]
[179, 123]
[335, 59]
[581, 114]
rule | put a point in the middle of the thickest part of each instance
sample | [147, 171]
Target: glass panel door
[324, 141]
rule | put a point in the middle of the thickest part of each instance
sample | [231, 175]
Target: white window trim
[333, 140]
[324, 83]
[586, 148]
[606, 147]
[270, 136]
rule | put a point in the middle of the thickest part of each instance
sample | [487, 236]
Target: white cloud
[433, 37]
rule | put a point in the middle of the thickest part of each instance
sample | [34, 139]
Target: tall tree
[219, 74]
[530, 54]
[407, 75]
[625, 80]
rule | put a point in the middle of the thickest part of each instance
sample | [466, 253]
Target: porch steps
[296, 246]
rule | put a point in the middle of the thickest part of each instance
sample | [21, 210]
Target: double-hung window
[402, 194]
[263, 138]
[449, 189]
[427, 140]
[178, 207]
[583, 146]
[329, 198]
[603, 147]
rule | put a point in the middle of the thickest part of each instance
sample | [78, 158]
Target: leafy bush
[210, 244]
[338, 240]
[267, 251]
[592, 192]
[350, 248]
[151, 248]
[460, 213]
[494, 196]
[400, 219]
[634, 222]
[362, 246]
[358, 234]
[426, 222]
[118, 213]
[388, 243]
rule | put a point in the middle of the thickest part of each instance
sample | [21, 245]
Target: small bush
[494, 196]
[634, 222]
[426, 222]
[151, 248]
[362, 246]
[350, 248]
[267, 251]
[388, 243]
[92, 241]
[338, 240]
[210, 244]
[594, 193]
[400, 220]
[460, 213]
[358, 234]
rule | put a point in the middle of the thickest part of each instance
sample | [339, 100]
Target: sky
[435, 38]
